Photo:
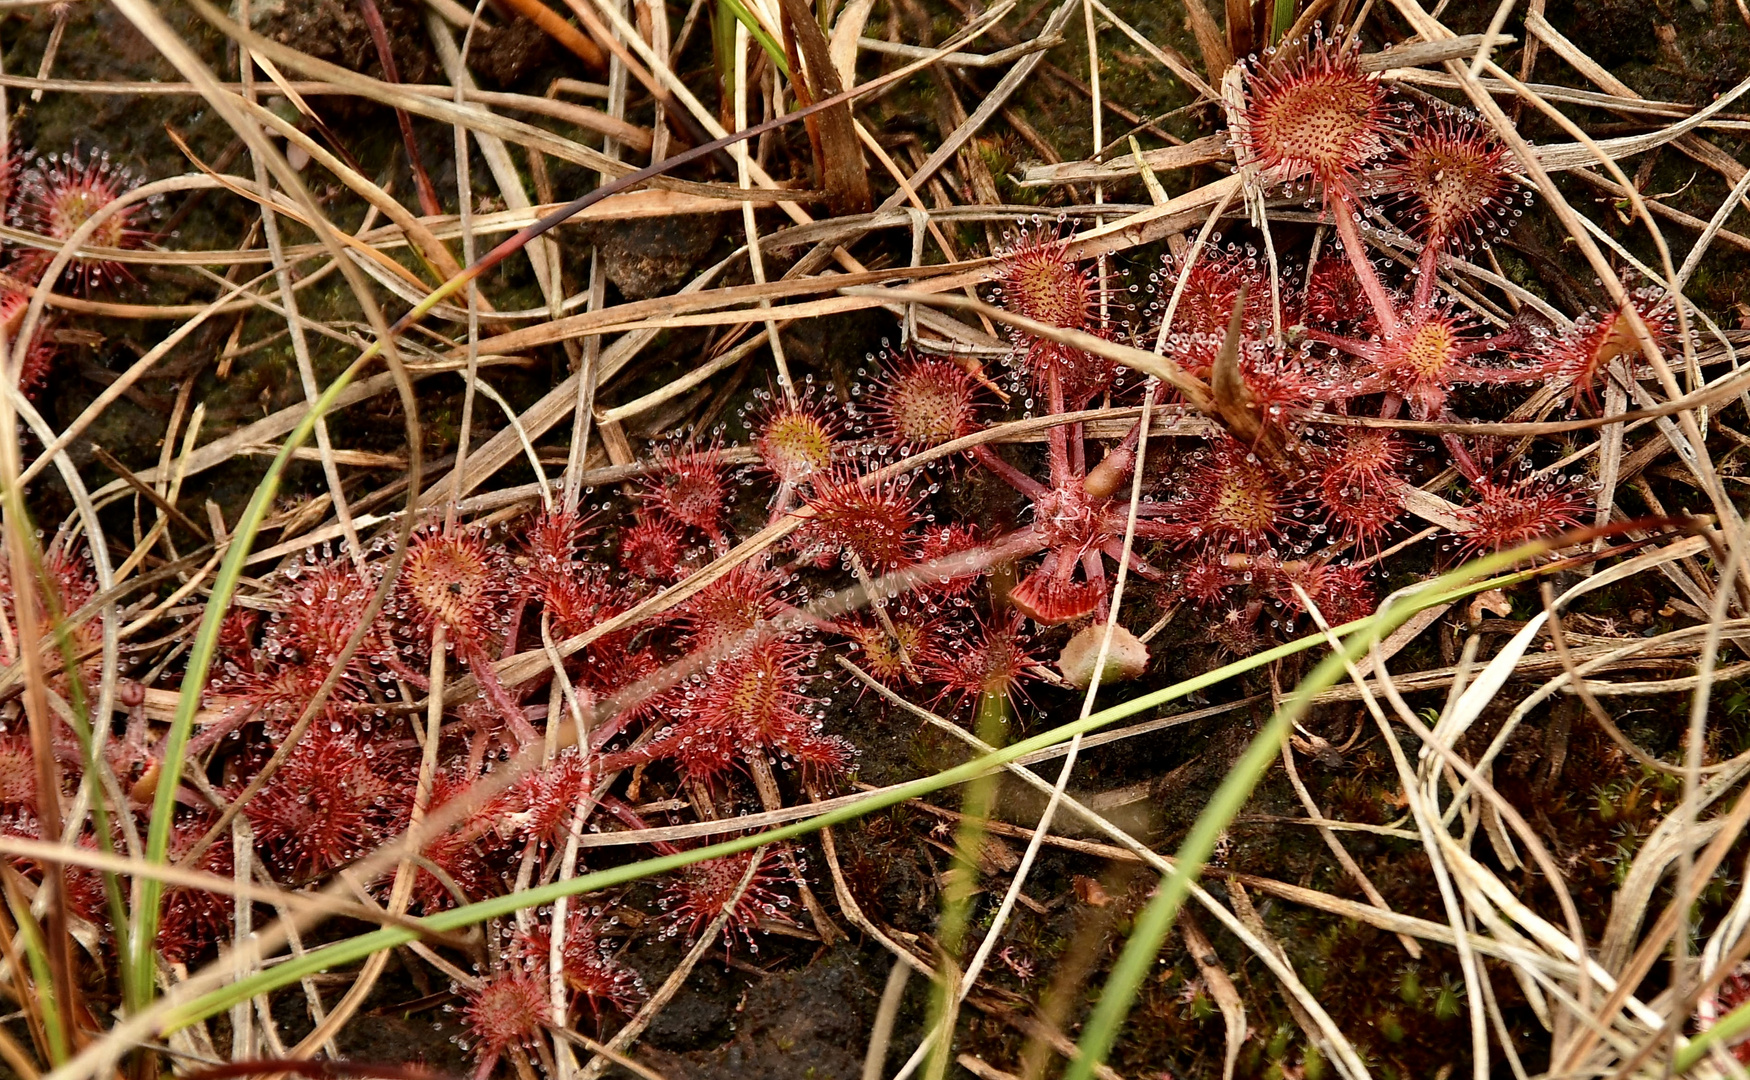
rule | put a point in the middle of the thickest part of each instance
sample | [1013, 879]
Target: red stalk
[428, 200]
[1343, 214]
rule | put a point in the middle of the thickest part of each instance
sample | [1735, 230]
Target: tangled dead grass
[1638, 989]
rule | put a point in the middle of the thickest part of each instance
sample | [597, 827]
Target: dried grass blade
[1221, 988]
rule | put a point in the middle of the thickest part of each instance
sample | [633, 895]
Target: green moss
[1449, 999]
[1278, 1045]
[1390, 1029]
[1410, 987]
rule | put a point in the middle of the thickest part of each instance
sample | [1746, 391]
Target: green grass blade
[1724, 1031]
[143, 933]
[36, 955]
[1150, 929]
[774, 51]
[1281, 20]
[723, 48]
[992, 727]
[79, 719]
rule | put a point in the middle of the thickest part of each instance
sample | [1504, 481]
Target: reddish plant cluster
[53, 197]
[65, 586]
[1294, 501]
[714, 888]
[510, 1010]
[1254, 527]
[589, 678]
[594, 979]
[331, 803]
